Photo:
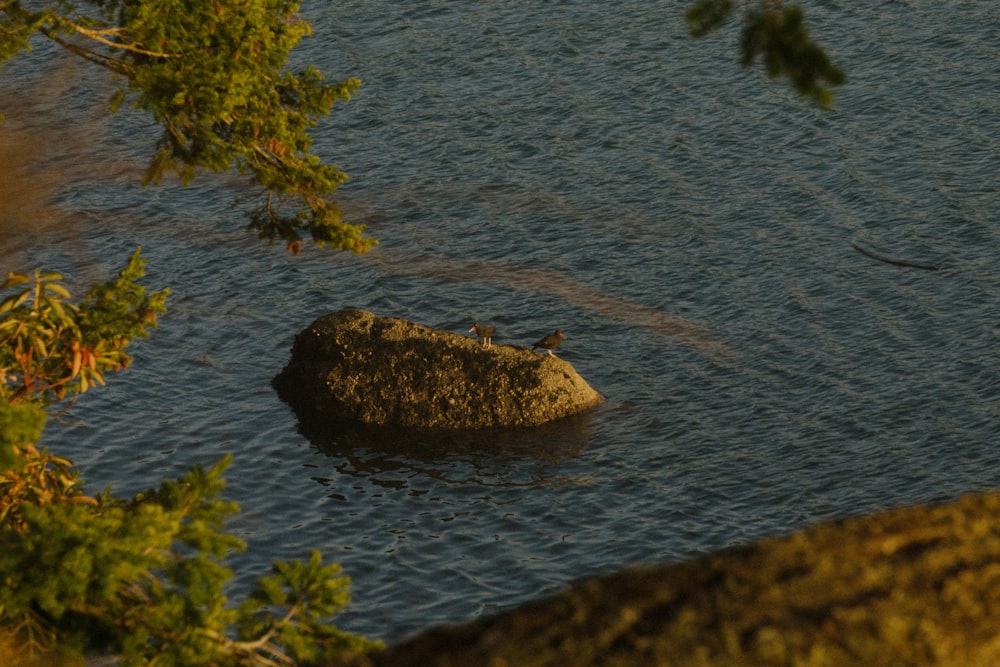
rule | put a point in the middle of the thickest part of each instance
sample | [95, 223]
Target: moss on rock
[915, 586]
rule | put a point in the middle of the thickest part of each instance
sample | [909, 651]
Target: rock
[915, 586]
[356, 366]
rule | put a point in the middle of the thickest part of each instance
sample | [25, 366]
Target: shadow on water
[486, 457]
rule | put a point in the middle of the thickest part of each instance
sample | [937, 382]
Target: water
[580, 165]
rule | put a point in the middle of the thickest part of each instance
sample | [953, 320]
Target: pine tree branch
[105, 61]
[98, 36]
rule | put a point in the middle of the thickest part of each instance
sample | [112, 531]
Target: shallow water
[693, 229]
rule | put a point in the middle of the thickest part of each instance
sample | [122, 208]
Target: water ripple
[585, 166]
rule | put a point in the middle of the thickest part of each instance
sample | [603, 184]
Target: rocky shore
[914, 586]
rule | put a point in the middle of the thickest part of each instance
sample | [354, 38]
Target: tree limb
[107, 62]
[97, 36]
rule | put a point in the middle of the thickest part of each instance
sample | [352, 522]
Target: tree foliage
[50, 347]
[777, 34]
[142, 578]
[215, 77]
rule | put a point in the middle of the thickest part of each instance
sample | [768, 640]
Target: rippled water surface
[707, 241]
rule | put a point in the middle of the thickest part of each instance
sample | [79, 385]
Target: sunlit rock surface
[915, 586]
[356, 366]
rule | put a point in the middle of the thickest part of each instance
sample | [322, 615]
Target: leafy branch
[777, 34]
[215, 77]
[142, 579]
[100, 36]
[50, 347]
[37, 478]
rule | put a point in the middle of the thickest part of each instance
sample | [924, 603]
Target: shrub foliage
[142, 578]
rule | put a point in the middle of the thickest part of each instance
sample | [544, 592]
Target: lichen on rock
[357, 366]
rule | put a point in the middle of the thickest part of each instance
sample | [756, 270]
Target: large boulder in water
[359, 367]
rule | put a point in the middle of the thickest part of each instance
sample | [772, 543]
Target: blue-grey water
[698, 233]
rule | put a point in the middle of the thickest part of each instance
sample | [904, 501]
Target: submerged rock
[356, 366]
[915, 586]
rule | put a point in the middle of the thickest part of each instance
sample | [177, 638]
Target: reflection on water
[482, 457]
[41, 152]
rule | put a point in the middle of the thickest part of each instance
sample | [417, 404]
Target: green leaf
[58, 289]
[14, 279]
[12, 302]
[59, 312]
[40, 347]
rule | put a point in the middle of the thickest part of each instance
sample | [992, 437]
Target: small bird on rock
[485, 333]
[550, 342]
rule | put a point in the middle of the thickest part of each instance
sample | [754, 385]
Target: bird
[550, 342]
[484, 332]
